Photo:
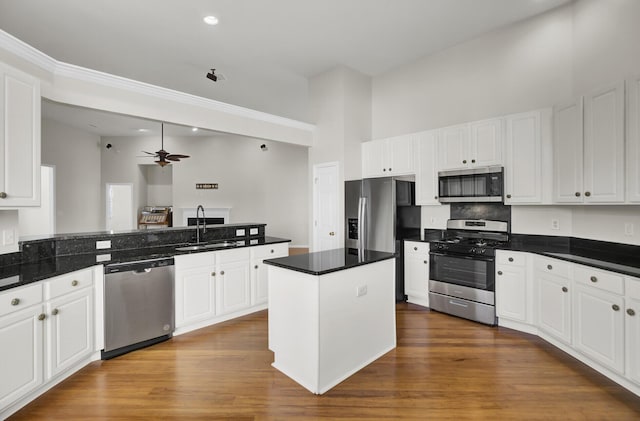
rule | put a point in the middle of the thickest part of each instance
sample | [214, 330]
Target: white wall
[535, 63]
[159, 185]
[9, 222]
[76, 157]
[264, 187]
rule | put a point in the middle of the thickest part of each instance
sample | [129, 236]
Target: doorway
[327, 234]
[120, 212]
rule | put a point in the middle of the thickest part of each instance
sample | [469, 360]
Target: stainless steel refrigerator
[380, 213]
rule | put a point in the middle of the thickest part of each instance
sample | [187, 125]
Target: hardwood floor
[443, 368]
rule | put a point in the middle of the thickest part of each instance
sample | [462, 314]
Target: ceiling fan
[163, 156]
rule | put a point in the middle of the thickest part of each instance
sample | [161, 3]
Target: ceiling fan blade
[150, 153]
[172, 158]
[177, 155]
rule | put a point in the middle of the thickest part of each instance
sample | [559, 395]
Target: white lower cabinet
[214, 286]
[195, 288]
[632, 329]
[47, 332]
[554, 297]
[233, 280]
[513, 295]
[416, 272]
[599, 326]
[259, 276]
[21, 353]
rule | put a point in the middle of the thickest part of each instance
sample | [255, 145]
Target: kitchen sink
[196, 247]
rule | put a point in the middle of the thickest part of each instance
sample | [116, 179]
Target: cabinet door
[373, 158]
[19, 138]
[599, 326]
[523, 158]
[260, 283]
[416, 272]
[195, 294]
[633, 141]
[453, 147]
[400, 151]
[233, 282]
[567, 157]
[632, 336]
[426, 172]
[511, 293]
[21, 336]
[604, 145]
[485, 146]
[554, 306]
[69, 330]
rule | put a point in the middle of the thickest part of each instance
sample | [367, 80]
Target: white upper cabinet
[604, 145]
[633, 141]
[471, 145]
[589, 148]
[527, 153]
[426, 173]
[485, 143]
[19, 138]
[388, 157]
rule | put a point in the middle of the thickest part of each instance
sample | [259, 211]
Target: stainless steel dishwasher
[138, 305]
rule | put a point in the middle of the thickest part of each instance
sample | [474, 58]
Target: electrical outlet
[362, 290]
[101, 245]
[555, 224]
[8, 237]
[240, 233]
[628, 229]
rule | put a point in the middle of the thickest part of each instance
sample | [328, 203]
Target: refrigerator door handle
[362, 203]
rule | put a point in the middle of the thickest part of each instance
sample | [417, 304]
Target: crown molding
[34, 56]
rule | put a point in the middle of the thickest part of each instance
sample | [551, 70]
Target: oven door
[470, 271]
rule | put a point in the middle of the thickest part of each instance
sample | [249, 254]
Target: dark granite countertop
[323, 262]
[27, 272]
[614, 257]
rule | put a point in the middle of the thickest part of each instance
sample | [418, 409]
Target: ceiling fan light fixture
[163, 156]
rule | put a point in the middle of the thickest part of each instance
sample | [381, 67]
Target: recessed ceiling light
[194, 129]
[143, 130]
[210, 20]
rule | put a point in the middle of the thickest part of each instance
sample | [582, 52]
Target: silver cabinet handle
[271, 250]
[3, 195]
[74, 283]
[15, 301]
[213, 274]
[55, 312]
[464, 161]
[255, 267]
[499, 272]
[615, 307]
[631, 312]
[415, 248]
[577, 194]
[565, 289]
[549, 267]
[222, 272]
[508, 196]
[587, 193]
[594, 279]
[42, 316]
[426, 262]
[511, 259]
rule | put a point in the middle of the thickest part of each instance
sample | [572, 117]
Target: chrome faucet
[204, 223]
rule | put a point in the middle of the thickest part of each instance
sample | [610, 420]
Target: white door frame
[338, 238]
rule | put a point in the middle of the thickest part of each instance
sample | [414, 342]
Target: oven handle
[457, 256]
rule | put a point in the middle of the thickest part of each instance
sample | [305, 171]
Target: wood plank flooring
[443, 368]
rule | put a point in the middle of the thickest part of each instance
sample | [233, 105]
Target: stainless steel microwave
[482, 184]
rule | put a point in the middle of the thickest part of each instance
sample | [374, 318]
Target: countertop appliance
[482, 184]
[380, 213]
[155, 217]
[462, 269]
[138, 305]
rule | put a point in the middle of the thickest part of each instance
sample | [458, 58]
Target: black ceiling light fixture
[163, 156]
[215, 77]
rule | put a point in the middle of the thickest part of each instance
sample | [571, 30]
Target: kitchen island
[331, 313]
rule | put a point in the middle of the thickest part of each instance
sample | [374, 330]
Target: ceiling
[266, 50]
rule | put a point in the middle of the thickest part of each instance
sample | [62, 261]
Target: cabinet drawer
[553, 266]
[269, 251]
[20, 298]
[68, 283]
[510, 258]
[600, 279]
[416, 247]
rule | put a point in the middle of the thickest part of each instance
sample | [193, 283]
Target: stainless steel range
[462, 269]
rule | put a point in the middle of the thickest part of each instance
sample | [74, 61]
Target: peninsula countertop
[327, 261]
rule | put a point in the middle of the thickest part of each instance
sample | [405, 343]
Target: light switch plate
[240, 233]
[253, 231]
